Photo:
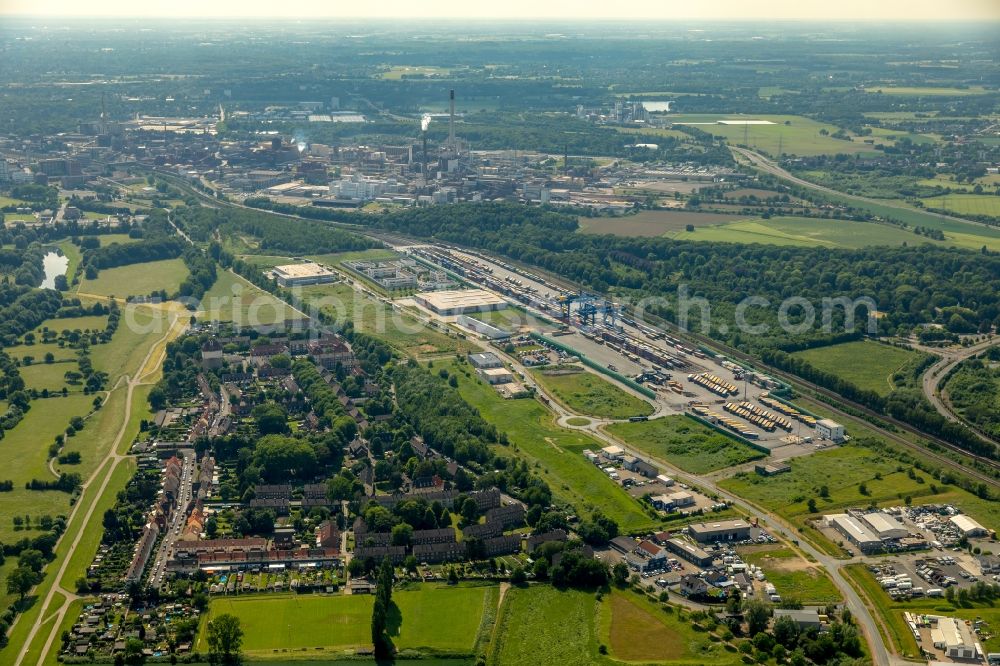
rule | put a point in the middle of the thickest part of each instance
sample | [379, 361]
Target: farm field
[234, 299]
[534, 437]
[397, 72]
[804, 231]
[866, 364]
[800, 137]
[794, 577]
[638, 630]
[137, 279]
[589, 394]
[397, 328]
[652, 223]
[434, 618]
[684, 443]
[527, 635]
[966, 204]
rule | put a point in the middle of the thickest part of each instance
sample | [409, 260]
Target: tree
[270, 418]
[518, 577]
[756, 614]
[620, 574]
[20, 581]
[31, 558]
[133, 651]
[339, 488]
[225, 637]
[785, 631]
[811, 504]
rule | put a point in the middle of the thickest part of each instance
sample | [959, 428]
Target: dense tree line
[905, 404]
[897, 279]
[446, 422]
[120, 254]
[273, 231]
[974, 390]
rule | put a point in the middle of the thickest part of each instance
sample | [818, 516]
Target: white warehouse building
[885, 526]
[967, 526]
[830, 430]
[852, 528]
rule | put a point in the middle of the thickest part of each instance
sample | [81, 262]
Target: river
[55, 264]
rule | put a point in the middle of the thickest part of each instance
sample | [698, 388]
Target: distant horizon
[734, 11]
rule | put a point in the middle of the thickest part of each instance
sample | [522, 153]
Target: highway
[934, 376]
[768, 166]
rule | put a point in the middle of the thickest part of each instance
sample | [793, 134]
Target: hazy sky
[523, 9]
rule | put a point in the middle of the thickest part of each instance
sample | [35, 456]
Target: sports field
[801, 136]
[866, 364]
[685, 443]
[794, 577]
[432, 618]
[558, 452]
[589, 394]
[137, 279]
[966, 204]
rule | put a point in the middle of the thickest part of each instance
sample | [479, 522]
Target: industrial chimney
[451, 124]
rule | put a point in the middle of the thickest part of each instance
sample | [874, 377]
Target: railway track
[992, 481]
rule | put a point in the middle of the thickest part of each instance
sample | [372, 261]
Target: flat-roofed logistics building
[885, 526]
[296, 275]
[967, 526]
[723, 530]
[852, 528]
[460, 301]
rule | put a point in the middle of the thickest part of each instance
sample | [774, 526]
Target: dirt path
[107, 468]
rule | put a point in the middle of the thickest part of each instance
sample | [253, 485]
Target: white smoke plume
[425, 122]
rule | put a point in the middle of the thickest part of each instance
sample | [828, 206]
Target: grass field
[88, 323]
[137, 279]
[232, 298]
[37, 351]
[800, 137]
[110, 239]
[652, 223]
[794, 577]
[432, 618]
[559, 452]
[842, 470]
[397, 72]
[637, 630]
[966, 204]
[684, 443]
[528, 634]
[49, 376]
[805, 232]
[397, 328]
[866, 364]
[337, 258]
[927, 90]
[591, 395]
